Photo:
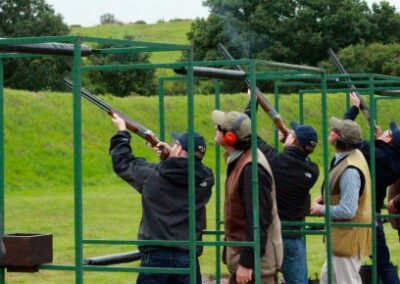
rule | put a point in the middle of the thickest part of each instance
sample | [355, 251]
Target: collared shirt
[350, 186]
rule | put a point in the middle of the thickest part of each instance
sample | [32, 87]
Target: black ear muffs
[341, 144]
[231, 136]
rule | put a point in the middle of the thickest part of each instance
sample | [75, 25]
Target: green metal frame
[373, 82]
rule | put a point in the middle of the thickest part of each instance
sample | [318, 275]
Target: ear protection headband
[231, 136]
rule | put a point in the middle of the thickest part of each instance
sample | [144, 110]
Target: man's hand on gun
[119, 123]
[161, 148]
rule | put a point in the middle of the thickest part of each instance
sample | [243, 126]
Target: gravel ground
[210, 279]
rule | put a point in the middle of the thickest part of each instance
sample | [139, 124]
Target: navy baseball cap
[395, 135]
[199, 143]
[305, 135]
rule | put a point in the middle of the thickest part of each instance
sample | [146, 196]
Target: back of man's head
[199, 143]
[395, 132]
[306, 137]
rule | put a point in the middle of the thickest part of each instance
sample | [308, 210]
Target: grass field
[39, 171]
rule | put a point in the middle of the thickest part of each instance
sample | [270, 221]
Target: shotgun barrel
[363, 106]
[213, 73]
[131, 124]
[113, 258]
[53, 48]
[266, 105]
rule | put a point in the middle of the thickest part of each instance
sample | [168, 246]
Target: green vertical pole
[373, 174]
[326, 175]
[254, 171]
[192, 232]
[77, 121]
[301, 106]
[276, 99]
[2, 273]
[161, 108]
[217, 192]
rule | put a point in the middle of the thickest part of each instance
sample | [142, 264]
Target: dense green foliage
[374, 58]
[32, 18]
[292, 31]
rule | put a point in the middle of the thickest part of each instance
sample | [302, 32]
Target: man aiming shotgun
[164, 190]
[387, 161]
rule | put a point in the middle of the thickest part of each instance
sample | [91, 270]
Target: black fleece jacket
[164, 190]
[387, 162]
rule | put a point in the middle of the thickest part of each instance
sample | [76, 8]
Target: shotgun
[132, 125]
[363, 106]
[266, 105]
[113, 258]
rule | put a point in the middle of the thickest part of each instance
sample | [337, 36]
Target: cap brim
[294, 125]
[393, 126]
[175, 135]
[335, 122]
[218, 117]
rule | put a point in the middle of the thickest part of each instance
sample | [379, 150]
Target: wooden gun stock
[132, 125]
[363, 106]
[266, 105]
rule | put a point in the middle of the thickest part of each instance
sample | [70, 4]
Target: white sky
[88, 12]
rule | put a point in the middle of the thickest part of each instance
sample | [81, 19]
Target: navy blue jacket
[387, 162]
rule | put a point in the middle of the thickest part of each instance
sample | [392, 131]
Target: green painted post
[2, 216]
[254, 171]
[77, 123]
[217, 191]
[192, 213]
[161, 108]
[373, 174]
[326, 175]
[301, 106]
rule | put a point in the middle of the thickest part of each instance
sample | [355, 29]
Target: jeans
[386, 271]
[169, 259]
[294, 267]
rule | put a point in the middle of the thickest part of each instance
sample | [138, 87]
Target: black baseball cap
[306, 135]
[199, 143]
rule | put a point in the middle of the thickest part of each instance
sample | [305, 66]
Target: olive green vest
[355, 241]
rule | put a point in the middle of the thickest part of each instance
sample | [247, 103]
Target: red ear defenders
[231, 136]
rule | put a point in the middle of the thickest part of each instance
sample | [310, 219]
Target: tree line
[294, 31]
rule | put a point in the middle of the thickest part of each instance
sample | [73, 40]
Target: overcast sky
[88, 12]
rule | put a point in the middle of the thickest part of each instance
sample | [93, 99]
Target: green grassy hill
[165, 32]
[39, 170]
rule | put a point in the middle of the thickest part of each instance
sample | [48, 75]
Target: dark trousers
[386, 271]
[169, 259]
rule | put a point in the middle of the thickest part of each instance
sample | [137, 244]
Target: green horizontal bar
[43, 39]
[164, 243]
[350, 225]
[135, 43]
[289, 66]
[303, 232]
[394, 216]
[213, 232]
[155, 270]
[289, 84]
[119, 67]
[139, 49]
[21, 55]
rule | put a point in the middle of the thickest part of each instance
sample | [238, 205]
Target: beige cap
[234, 121]
[350, 131]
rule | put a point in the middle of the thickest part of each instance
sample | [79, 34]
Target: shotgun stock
[363, 106]
[266, 105]
[132, 125]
